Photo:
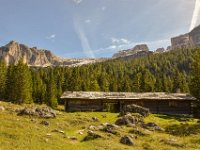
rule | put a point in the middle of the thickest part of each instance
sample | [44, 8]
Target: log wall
[83, 105]
[155, 106]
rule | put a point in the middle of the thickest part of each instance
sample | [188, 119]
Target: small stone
[49, 134]
[153, 126]
[59, 131]
[92, 127]
[104, 115]
[126, 140]
[73, 138]
[2, 108]
[33, 120]
[44, 122]
[110, 128]
[91, 136]
[80, 132]
[46, 140]
[137, 132]
[95, 119]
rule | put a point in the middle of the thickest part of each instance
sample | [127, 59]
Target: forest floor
[68, 130]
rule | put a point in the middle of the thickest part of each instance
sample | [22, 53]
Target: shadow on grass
[173, 117]
[183, 129]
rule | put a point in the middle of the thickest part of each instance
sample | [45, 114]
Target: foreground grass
[24, 132]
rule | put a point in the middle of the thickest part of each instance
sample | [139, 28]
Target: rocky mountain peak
[137, 51]
[141, 47]
[12, 52]
[187, 40]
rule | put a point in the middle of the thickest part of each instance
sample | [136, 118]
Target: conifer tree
[39, 88]
[51, 91]
[137, 81]
[3, 72]
[195, 79]
[19, 83]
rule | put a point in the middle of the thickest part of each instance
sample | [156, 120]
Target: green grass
[26, 133]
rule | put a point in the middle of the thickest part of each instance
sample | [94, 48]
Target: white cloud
[51, 37]
[125, 41]
[153, 45]
[77, 1]
[195, 16]
[120, 41]
[87, 21]
[112, 47]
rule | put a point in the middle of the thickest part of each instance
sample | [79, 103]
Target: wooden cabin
[158, 102]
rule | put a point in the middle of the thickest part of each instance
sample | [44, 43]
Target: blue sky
[93, 28]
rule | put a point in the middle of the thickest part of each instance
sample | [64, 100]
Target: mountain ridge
[12, 52]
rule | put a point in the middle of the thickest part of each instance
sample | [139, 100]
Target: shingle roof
[126, 95]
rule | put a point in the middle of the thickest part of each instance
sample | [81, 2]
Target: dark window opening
[111, 107]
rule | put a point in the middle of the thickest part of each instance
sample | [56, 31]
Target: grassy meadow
[27, 133]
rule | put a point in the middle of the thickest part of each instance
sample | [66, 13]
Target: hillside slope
[68, 130]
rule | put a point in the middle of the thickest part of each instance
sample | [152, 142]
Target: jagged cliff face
[13, 52]
[137, 51]
[194, 36]
[187, 40]
[181, 41]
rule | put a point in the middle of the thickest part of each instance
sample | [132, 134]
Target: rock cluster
[91, 136]
[126, 140]
[45, 112]
[152, 126]
[135, 109]
[129, 120]
[110, 128]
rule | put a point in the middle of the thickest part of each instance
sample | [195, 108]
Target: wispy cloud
[87, 21]
[119, 41]
[196, 15]
[110, 50]
[51, 37]
[83, 38]
[77, 1]
[153, 45]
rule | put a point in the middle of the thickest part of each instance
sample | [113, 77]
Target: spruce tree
[51, 91]
[39, 88]
[195, 76]
[3, 72]
[19, 83]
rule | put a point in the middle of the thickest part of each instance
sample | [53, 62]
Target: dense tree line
[195, 81]
[167, 72]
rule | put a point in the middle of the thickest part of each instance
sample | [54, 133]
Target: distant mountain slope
[135, 52]
[13, 52]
